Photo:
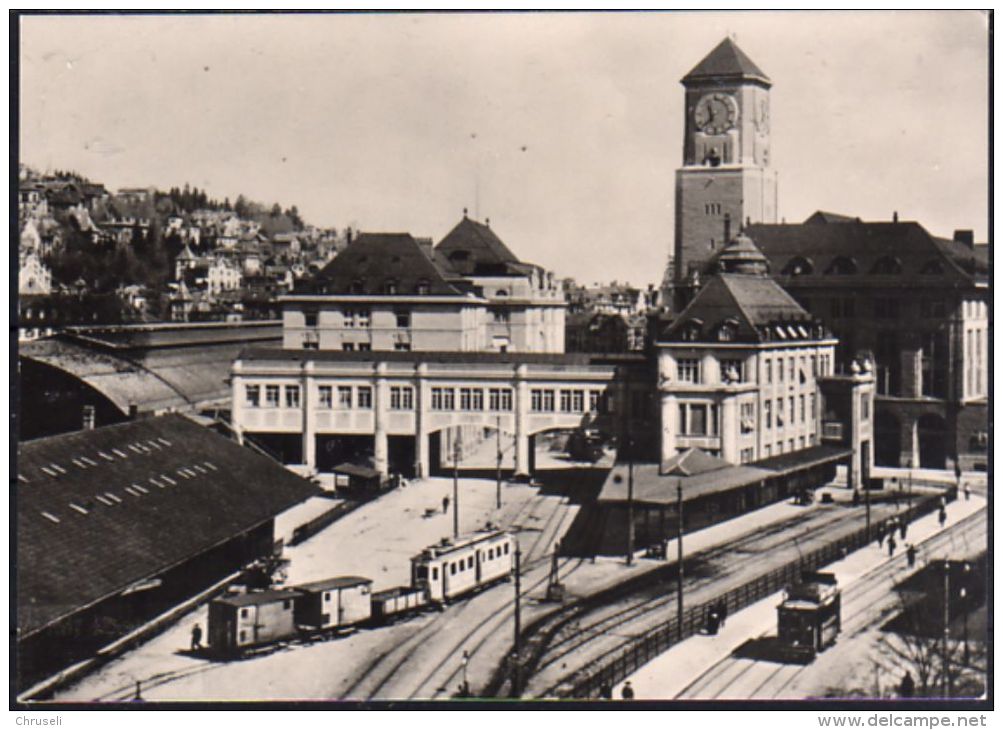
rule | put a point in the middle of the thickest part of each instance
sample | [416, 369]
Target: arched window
[798, 266]
[727, 330]
[842, 266]
[887, 266]
[932, 268]
[501, 293]
[690, 331]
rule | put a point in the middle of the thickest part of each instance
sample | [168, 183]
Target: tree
[276, 211]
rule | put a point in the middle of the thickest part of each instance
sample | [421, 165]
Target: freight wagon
[334, 603]
[245, 621]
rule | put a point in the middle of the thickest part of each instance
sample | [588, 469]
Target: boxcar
[809, 620]
[247, 620]
[333, 603]
[450, 569]
[395, 602]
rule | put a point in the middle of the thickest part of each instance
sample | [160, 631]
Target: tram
[808, 619]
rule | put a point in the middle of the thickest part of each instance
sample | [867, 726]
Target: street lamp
[456, 486]
[465, 688]
[964, 609]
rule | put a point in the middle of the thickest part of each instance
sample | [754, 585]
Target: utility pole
[947, 619]
[456, 488]
[517, 654]
[679, 559]
[630, 509]
[499, 459]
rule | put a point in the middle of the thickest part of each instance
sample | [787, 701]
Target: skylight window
[200, 469]
[154, 444]
[168, 479]
[185, 473]
[211, 466]
[78, 508]
[88, 460]
[155, 483]
[780, 332]
[113, 498]
[106, 457]
[144, 490]
[103, 500]
[58, 468]
[50, 517]
[79, 463]
[21, 478]
[120, 454]
[132, 491]
[792, 332]
[164, 441]
[134, 449]
[50, 472]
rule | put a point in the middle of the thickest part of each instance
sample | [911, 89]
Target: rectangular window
[344, 396]
[733, 371]
[865, 407]
[365, 396]
[542, 401]
[252, 393]
[790, 368]
[780, 412]
[548, 401]
[812, 399]
[292, 396]
[780, 370]
[790, 411]
[437, 399]
[362, 316]
[689, 371]
[348, 346]
[748, 418]
[768, 413]
[769, 371]
[402, 346]
[310, 317]
[767, 451]
[698, 420]
[814, 366]
[465, 399]
[365, 347]
[403, 319]
[401, 398]
[272, 396]
[565, 401]
[348, 316]
[578, 401]
[594, 396]
[325, 396]
[804, 411]
[748, 455]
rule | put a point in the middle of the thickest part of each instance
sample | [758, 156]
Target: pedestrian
[723, 610]
[196, 637]
[910, 555]
[445, 504]
[942, 517]
[713, 621]
[627, 692]
[907, 686]
[968, 492]
[606, 691]
[891, 546]
[903, 529]
[856, 498]
[881, 534]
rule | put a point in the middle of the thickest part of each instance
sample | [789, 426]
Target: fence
[634, 653]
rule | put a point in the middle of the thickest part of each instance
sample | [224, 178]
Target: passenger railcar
[334, 603]
[244, 621]
[451, 569]
[808, 619]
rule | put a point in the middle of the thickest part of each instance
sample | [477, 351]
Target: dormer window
[842, 266]
[691, 331]
[423, 286]
[727, 331]
[887, 266]
[798, 266]
[390, 286]
[358, 286]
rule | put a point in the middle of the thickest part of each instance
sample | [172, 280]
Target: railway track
[566, 633]
[389, 665]
[726, 675]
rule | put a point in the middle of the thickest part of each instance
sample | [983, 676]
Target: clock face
[715, 113]
[763, 117]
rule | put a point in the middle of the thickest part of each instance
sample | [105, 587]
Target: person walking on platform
[881, 534]
[445, 504]
[910, 555]
[196, 637]
[903, 528]
[891, 545]
[627, 692]
[942, 517]
[968, 492]
[723, 611]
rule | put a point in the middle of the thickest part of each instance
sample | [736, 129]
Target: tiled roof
[726, 62]
[820, 242]
[472, 248]
[653, 487]
[691, 462]
[373, 259]
[100, 510]
[749, 302]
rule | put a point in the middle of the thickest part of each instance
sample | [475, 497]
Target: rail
[604, 674]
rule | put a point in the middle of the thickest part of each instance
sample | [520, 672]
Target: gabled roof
[373, 259]
[101, 510]
[727, 62]
[748, 302]
[472, 248]
[821, 242]
[691, 462]
[329, 584]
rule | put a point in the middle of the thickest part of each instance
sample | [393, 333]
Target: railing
[832, 430]
[632, 654]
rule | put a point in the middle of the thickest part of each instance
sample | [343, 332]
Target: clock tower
[726, 180]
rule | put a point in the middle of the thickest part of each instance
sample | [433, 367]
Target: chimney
[966, 237]
[895, 217]
[727, 228]
[133, 411]
[89, 418]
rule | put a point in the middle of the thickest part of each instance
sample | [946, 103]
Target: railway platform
[707, 667]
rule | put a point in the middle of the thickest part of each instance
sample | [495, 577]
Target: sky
[563, 129]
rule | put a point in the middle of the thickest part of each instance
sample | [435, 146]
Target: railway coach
[334, 603]
[453, 568]
[808, 619]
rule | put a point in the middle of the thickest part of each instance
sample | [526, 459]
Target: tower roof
[727, 62]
